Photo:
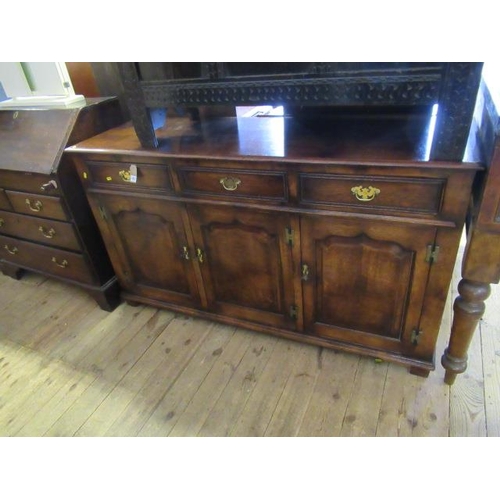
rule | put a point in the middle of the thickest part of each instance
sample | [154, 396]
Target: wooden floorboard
[490, 350]
[67, 368]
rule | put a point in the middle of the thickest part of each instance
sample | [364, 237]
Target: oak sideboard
[334, 229]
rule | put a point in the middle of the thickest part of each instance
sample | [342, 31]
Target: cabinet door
[246, 263]
[148, 246]
[366, 280]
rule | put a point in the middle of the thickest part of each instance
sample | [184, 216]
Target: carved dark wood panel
[381, 90]
[141, 116]
[457, 100]
[453, 85]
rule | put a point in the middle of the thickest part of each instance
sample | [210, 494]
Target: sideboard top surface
[352, 137]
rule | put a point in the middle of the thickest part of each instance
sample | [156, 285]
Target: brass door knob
[185, 253]
[305, 272]
[200, 255]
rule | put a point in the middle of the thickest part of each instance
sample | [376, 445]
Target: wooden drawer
[407, 194]
[37, 257]
[37, 205]
[48, 232]
[4, 201]
[31, 183]
[120, 174]
[270, 186]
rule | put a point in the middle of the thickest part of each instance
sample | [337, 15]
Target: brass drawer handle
[365, 194]
[1, 222]
[47, 233]
[125, 175]
[35, 207]
[129, 175]
[63, 264]
[12, 251]
[230, 183]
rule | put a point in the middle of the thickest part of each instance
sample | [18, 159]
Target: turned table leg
[468, 309]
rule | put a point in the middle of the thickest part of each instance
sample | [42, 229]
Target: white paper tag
[133, 173]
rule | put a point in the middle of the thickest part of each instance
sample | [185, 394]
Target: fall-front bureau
[336, 232]
[45, 222]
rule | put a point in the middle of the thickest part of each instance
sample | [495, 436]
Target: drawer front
[45, 259]
[4, 201]
[131, 175]
[415, 195]
[270, 186]
[32, 183]
[47, 232]
[37, 205]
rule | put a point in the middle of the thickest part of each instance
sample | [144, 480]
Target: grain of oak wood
[143, 371]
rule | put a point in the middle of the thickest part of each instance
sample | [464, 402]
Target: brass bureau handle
[47, 233]
[1, 222]
[35, 207]
[230, 183]
[12, 251]
[200, 255]
[49, 186]
[365, 194]
[63, 264]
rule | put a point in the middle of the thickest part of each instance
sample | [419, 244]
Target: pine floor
[67, 368]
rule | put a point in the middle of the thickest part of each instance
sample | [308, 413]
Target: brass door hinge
[102, 213]
[415, 336]
[294, 312]
[289, 234]
[432, 254]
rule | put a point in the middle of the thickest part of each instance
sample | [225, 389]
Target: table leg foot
[467, 311]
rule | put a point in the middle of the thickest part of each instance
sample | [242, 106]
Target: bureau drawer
[4, 201]
[37, 205]
[416, 195]
[45, 259]
[122, 174]
[26, 181]
[269, 186]
[48, 232]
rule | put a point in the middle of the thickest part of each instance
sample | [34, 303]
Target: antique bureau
[45, 222]
[334, 229]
